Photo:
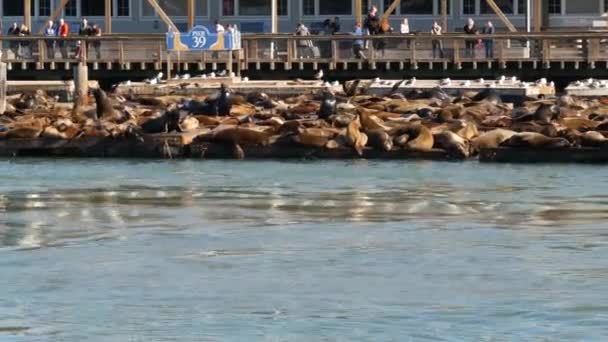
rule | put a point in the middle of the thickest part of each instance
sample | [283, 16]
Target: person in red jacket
[62, 32]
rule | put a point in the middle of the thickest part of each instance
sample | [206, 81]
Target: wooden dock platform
[507, 87]
[528, 155]
[14, 87]
[208, 86]
[588, 88]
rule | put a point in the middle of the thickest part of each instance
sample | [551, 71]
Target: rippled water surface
[110, 250]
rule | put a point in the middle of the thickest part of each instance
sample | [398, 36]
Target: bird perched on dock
[412, 81]
[222, 73]
[319, 75]
[445, 82]
[185, 77]
[328, 105]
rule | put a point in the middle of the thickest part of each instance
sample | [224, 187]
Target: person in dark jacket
[372, 25]
[14, 45]
[470, 28]
[489, 43]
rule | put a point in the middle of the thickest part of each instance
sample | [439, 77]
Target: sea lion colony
[418, 121]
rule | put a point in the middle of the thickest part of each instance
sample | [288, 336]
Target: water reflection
[34, 219]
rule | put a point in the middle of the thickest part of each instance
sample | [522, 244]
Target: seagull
[232, 74]
[590, 80]
[204, 77]
[502, 78]
[445, 82]
[466, 83]
[501, 81]
[525, 85]
[513, 79]
[412, 81]
[153, 81]
[185, 76]
[377, 79]
[335, 84]
[552, 84]
[492, 85]
[481, 80]
[319, 75]
[160, 76]
[542, 81]
[212, 75]
[578, 83]
[127, 83]
[327, 84]
[245, 79]
[222, 73]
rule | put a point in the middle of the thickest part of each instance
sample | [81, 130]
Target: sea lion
[535, 140]
[379, 139]
[251, 134]
[315, 137]
[237, 152]
[487, 95]
[169, 121]
[401, 140]
[219, 104]
[452, 143]
[104, 107]
[355, 137]
[188, 124]
[492, 139]
[421, 138]
[593, 139]
[545, 113]
[328, 105]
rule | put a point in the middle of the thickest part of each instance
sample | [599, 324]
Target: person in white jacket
[405, 29]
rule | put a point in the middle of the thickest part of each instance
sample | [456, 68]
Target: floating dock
[507, 87]
[208, 86]
[17, 87]
[588, 88]
[528, 155]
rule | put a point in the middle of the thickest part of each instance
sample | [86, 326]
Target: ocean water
[116, 250]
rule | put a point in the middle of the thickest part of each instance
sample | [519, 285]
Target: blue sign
[201, 39]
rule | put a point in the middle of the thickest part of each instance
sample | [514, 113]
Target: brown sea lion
[452, 143]
[421, 138]
[465, 129]
[315, 137]
[253, 134]
[535, 140]
[237, 152]
[379, 139]
[579, 124]
[401, 140]
[355, 137]
[370, 122]
[593, 139]
[189, 123]
[492, 139]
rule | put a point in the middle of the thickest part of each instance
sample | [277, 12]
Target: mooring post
[3, 86]
[81, 83]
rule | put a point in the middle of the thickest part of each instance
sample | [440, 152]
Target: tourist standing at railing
[358, 44]
[49, 31]
[304, 46]
[372, 24]
[96, 44]
[332, 26]
[405, 29]
[489, 43]
[470, 28]
[85, 31]
[437, 43]
[26, 51]
[14, 45]
[63, 32]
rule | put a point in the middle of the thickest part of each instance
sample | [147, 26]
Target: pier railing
[547, 50]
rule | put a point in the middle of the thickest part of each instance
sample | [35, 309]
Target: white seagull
[319, 75]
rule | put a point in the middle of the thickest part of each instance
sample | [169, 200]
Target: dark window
[44, 8]
[228, 8]
[555, 6]
[309, 7]
[92, 8]
[506, 6]
[70, 9]
[387, 4]
[14, 8]
[448, 4]
[335, 7]
[365, 6]
[521, 6]
[175, 8]
[468, 6]
[581, 7]
[123, 9]
[416, 7]
[260, 7]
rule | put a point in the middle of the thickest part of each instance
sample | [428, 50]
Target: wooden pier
[571, 54]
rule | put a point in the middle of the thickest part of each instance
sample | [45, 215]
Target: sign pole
[275, 23]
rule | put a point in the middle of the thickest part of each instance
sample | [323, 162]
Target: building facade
[137, 16]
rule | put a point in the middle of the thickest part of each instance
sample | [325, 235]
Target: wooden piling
[81, 83]
[3, 87]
